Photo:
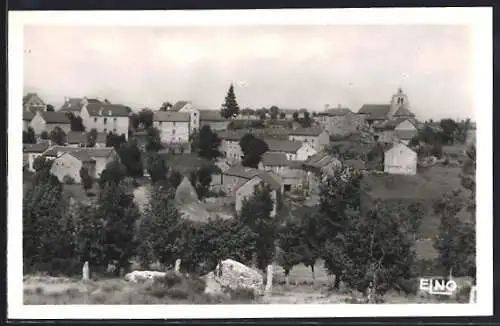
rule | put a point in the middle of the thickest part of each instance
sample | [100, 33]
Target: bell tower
[399, 100]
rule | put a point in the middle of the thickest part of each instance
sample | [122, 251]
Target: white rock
[142, 276]
[234, 275]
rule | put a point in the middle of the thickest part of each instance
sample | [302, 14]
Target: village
[216, 159]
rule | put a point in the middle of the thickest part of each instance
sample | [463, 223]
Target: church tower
[398, 101]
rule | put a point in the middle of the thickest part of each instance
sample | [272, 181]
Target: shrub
[462, 294]
[58, 267]
[169, 280]
[178, 292]
[68, 180]
[242, 294]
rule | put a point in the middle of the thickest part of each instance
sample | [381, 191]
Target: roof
[107, 109]
[28, 115]
[391, 146]
[270, 180]
[335, 112]
[179, 105]
[82, 156]
[211, 115]
[72, 105]
[35, 148]
[313, 131]
[406, 134]
[356, 164]
[375, 111]
[274, 159]
[320, 160]
[54, 117]
[91, 151]
[250, 173]
[170, 116]
[393, 123]
[76, 137]
[403, 112]
[28, 97]
[285, 146]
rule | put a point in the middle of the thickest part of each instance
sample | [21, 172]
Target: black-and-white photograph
[265, 164]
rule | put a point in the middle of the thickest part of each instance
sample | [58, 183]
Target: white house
[400, 159]
[48, 120]
[106, 117]
[317, 137]
[294, 150]
[194, 116]
[31, 152]
[173, 126]
[69, 164]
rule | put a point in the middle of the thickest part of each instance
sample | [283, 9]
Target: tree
[166, 106]
[174, 178]
[115, 141]
[310, 246]
[256, 215]
[92, 137]
[29, 136]
[131, 158]
[44, 135]
[295, 116]
[282, 115]
[450, 130]
[113, 173]
[253, 148]
[206, 143]
[153, 141]
[76, 123]
[134, 121]
[88, 235]
[274, 111]
[201, 179]
[262, 115]
[146, 118]
[86, 179]
[230, 107]
[58, 136]
[289, 238]
[159, 229]
[117, 209]
[157, 168]
[49, 108]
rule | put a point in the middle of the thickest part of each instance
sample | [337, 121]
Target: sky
[288, 66]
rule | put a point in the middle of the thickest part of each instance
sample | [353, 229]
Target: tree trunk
[336, 286]
[287, 278]
[312, 273]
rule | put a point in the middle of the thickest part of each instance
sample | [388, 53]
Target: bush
[57, 267]
[68, 180]
[170, 279]
[242, 294]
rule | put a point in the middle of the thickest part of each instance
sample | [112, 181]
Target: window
[105, 129]
[95, 119]
[174, 123]
[173, 131]
[194, 114]
[114, 130]
[159, 123]
[114, 119]
[105, 120]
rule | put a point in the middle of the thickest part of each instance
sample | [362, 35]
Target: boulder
[143, 276]
[185, 193]
[233, 275]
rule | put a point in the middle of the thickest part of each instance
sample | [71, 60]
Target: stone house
[33, 103]
[400, 159]
[213, 119]
[246, 179]
[173, 126]
[315, 136]
[294, 150]
[230, 146]
[101, 156]
[75, 105]
[106, 117]
[339, 121]
[396, 130]
[290, 172]
[76, 139]
[69, 164]
[48, 120]
[397, 108]
[315, 168]
[232, 178]
[31, 152]
[194, 114]
[27, 117]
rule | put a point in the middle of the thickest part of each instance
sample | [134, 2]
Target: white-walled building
[317, 137]
[105, 117]
[48, 120]
[294, 150]
[173, 126]
[400, 159]
[31, 152]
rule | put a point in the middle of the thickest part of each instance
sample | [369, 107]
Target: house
[294, 150]
[339, 121]
[75, 105]
[315, 168]
[194, 114]
[173, 126]
[397, 108]
[315, 136]
[31, 152]
[48, 120]
[27, 117]
[290, 172]
[68, 165]
[233, 177]
[106, 117]
[399, 129]
[213, 119]
[33, 102]
[400, 159]
[100, 140]
[230, 145]
[247, 188]
[102, 156]
[76, 139]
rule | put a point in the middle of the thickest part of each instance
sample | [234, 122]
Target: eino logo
[440, 286]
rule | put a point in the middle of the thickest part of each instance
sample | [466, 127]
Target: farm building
[400, 159]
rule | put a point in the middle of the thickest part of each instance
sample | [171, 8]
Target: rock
[212, 287]
[185, 193]
[177, 265]
[233, 275]
[85, 272]
[143, 276]
[269, 283]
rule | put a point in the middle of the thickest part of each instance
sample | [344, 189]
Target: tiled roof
[54, 117]
[35, 148]
[334, 112]
[270, 180]
[76, 137]
[313, 131]
[179, 105]
[170, 116]
[375, 111]
[90, 151]
[106, 109]
[72, 105]
[211, 115]
[274, 159]
[356, 164]
[403, 112]
[28, 115]
[28, 97]
[320, 160]
[285, 146]
[82, 156]
[250, 173]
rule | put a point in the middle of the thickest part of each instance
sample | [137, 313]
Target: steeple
[399, 100]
